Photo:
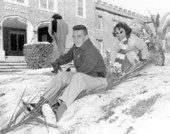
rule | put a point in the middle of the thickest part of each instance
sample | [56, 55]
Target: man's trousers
[72, 84]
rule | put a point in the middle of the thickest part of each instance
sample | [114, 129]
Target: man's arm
[66, 58]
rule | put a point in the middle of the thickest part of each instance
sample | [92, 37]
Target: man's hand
[56, 67]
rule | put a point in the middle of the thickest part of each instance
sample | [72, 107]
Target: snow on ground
[138, 106]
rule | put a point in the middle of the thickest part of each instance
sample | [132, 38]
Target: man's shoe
[28, 106]
[35, 107]
[60, 110]
[48, 114]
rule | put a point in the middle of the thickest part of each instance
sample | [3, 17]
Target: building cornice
[104, 6]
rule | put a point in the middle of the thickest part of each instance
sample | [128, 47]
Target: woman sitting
[132, 48]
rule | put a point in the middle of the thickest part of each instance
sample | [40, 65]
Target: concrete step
[14, 59]
[13, 67]
[11, 70]
[13, 64]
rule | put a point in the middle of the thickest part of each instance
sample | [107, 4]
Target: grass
[129, 130]
[142, 106]
[108, 110]
[17, 119]
[2, 94]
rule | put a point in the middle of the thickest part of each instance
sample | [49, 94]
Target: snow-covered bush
[38, 55]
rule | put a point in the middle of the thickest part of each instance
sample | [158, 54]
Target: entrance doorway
[43, 34]
[16, 42]
[15, 32]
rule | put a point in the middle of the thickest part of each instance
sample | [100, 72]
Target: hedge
[38, 55]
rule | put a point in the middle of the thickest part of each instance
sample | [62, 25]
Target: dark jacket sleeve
[66, 58]
[89, 62]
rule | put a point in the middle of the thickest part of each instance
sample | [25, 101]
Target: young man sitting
[90, 74]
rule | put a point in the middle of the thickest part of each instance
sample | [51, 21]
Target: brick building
[26, 21]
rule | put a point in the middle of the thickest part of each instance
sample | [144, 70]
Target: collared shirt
[87, 59]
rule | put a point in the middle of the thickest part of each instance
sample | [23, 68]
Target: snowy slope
[138, 106]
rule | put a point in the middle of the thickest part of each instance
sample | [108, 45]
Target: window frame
[84, 9]
[101, 22]
[47, 9]
[100, 46]
[26, 2]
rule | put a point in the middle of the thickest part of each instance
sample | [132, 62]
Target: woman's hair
[54, 22]
[123, 25]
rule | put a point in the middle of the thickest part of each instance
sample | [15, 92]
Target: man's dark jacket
[87, 59]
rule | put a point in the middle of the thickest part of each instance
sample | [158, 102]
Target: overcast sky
[143, 6]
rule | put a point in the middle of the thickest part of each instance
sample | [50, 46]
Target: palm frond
[165, 28]
[152, 18]
[28, 117]
[155, 21]
[13, 120]
[115, 81]
[131, 73]
[165, 18]
[144, 25]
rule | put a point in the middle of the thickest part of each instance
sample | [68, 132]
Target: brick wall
[67, 8]
[31, 12]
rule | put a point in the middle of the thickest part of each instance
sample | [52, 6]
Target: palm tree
[158, 33]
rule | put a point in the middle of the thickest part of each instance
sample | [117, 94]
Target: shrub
[38, 55]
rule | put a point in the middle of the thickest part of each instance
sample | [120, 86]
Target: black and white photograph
[84, 66]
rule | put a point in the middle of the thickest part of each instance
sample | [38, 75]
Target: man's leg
[79, 83]
[58, 82]
[44, 105]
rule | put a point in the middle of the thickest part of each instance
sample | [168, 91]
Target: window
[81, 8]
[43, 4]
[49, 5]
[100, 45]
[99, 21]
[19, 2]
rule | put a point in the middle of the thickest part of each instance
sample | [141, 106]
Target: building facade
[107, 16]
[26, 21]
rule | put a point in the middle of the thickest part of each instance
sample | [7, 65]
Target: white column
[2, 52]
[35, 36]
[30, 34]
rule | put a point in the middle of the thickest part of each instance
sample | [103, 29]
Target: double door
[16, 42]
